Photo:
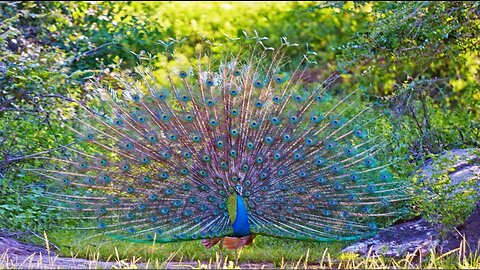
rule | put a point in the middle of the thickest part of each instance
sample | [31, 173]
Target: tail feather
[161, 160]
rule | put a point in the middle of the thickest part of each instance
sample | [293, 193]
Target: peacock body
[231, 148]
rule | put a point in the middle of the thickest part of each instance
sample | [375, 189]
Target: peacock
[221, 149]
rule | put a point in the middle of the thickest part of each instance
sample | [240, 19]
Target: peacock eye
[183, 74]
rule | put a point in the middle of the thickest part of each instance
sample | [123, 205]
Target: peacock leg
[237, 254]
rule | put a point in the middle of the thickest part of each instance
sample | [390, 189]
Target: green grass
[264, 249]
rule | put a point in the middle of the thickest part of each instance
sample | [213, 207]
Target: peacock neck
[241, 226]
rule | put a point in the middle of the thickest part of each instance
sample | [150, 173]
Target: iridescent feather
[170, 156]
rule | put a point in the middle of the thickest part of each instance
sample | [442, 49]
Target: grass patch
[264, 249]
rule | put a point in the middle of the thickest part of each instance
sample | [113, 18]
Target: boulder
[398, 240]
[460, 165]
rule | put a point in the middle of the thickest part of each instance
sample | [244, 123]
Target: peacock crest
[235, 145]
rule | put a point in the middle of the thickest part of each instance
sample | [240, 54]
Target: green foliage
[444, 205]
[427, 54]
[442, 202]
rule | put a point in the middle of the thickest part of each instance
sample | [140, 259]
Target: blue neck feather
[241, 227]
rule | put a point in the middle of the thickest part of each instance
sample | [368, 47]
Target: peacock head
[239, 189]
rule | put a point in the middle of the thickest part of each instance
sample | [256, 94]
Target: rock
[461, 165]
[411, 236]
[398, 240]
[464, 165]
[470, 229]
[14, 248]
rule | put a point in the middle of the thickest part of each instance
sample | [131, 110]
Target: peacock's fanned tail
[161, 161]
